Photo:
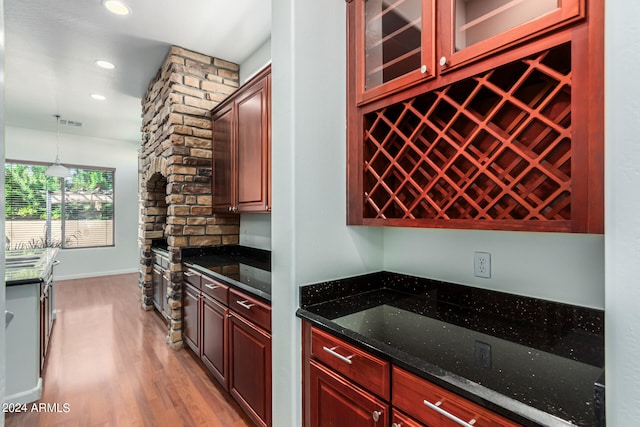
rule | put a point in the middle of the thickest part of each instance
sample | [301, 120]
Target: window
[44, 211]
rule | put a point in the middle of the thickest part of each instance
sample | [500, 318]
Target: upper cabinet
[395, 45]
[474, 28]
[242, 148]
[476, 114]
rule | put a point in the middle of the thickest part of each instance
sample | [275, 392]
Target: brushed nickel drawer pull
[210, 286]
[245, 304]
[189, 274]
[436, 407]
[332, 351]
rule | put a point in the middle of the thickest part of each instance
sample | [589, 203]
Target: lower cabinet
[346, 386]
[190, 323]
[335, 401]
[231, 333]
[250, 368]
[215, 338]
[435, 406]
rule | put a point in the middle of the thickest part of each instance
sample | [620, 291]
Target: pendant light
[56, 169]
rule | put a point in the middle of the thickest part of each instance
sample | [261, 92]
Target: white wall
[255, 230]
[256, 61]
[310, 240]
[28, 144]
[622, 241]
[568, 268]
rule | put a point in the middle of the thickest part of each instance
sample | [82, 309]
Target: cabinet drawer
[369, 371]
[434, 405]
[191, 277]
[215, 289]
[250, 308]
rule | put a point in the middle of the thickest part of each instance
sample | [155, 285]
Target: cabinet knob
[424, 69]
[396, 425]
[443, 61]
[266, 207]
[376, 415]
[230, 208]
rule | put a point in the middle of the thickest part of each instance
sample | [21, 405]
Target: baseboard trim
[95, 274]
[26, 396]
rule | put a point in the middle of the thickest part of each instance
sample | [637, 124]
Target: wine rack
[493, 147]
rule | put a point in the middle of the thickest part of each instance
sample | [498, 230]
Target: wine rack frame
[514, 142]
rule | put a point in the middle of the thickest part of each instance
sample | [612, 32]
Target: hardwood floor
[109, 363]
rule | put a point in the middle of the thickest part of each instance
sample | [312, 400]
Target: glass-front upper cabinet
[395, 45]
[473, 28]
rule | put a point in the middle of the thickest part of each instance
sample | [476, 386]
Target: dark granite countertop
[27, 266]
[242, 267]
[545, 356]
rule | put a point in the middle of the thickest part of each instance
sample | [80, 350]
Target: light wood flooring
[108, 361]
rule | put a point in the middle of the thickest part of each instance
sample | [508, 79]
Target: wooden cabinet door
[336, 402]
[223, 158]
[214, 338]
[471, 29]
[252, 145]
[190, 318]
[394, 45]
[250, 369]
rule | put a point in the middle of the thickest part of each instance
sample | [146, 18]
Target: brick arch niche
[175, 170]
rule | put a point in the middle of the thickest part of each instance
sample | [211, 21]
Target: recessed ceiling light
[117, 7]
[105, 64]
[98, 97]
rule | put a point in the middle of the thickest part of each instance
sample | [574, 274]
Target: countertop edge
[229, 281]
[503, 405]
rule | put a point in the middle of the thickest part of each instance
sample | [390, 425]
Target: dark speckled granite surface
[545, 356]
[245, 268]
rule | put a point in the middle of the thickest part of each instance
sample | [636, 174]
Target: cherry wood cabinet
[224, 178]
[205, 322]
[230, 332]
[473, 29]
[250, 368]
[395, 45]
[398, 419]
[242, 148]
[436, 406]
[336, 401]
[215, 338]
[343, 382]
[190, 317]
[507, 134]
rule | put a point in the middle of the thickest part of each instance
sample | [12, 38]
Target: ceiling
[51, 48]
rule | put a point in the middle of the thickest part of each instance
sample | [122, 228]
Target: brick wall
[175, 168]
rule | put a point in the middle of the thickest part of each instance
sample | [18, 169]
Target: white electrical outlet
[482, 264]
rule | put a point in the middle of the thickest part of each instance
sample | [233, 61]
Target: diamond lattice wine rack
[493, 151]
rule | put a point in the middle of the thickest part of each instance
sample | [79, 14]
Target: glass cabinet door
[395, 44]
[478, 27]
